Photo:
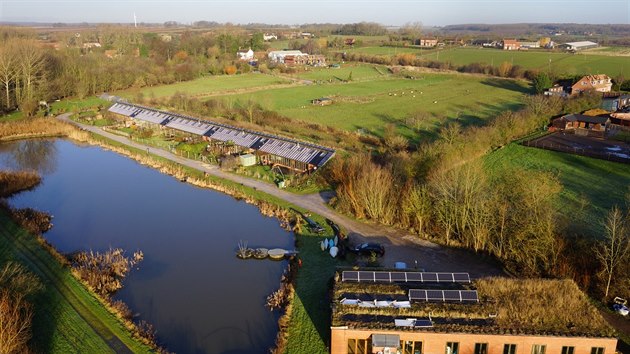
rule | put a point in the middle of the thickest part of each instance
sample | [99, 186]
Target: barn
[269, 149]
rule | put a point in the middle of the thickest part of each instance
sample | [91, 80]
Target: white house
[279, 55]
[268, 37]
[245, 55]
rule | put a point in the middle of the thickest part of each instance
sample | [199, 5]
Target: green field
[558, 62]
[209, 85]
[68, 319]
[375, 100]
[591, 186]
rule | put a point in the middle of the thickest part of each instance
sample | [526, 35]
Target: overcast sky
[395, 12]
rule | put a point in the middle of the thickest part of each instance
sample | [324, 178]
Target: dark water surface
[190, 286]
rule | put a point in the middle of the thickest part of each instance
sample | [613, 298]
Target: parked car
[366, 249]
[619, 306]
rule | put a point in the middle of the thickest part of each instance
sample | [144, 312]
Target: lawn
[68, 319]
[369, 104]
[591, 186]
[209, 85]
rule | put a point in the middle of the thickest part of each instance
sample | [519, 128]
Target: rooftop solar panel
[405, 277]
[431, 295]
[284, 147]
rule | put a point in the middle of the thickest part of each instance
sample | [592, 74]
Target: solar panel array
[430, 295]
[288, 148]
[413, 322]
[404, 277]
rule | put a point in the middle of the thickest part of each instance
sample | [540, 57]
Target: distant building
[583, 125]
[577, 46]
[557, 90]
[427, 42]
[510, 44]
[599, 83]
[268, 37]
[615, 102]
[278, 56]
[245, 55]
[530, 45]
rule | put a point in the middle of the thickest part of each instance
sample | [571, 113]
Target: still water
[190, 285]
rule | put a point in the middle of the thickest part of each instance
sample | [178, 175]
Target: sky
[291, 12]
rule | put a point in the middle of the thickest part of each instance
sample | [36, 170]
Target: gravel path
[400, 246]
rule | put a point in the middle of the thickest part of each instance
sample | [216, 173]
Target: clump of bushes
[14, 182]
[104, 272]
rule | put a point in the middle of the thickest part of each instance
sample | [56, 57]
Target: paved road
[400, 246]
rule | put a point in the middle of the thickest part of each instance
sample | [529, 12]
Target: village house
[599, 83]
[510, 44]
[427, 42]
[530, 45]
[245, 55]
[557, 90]
[424, 312]
[580, 124]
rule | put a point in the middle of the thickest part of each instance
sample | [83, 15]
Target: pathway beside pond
[400, 246]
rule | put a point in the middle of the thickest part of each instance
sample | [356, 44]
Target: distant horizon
[431, 13]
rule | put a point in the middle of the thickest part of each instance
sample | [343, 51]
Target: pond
[190, 285]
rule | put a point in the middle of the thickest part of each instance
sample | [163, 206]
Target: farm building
[427, 42]
[530, 44]
[510, 44]
[278, 56]
[557, 90]
[615, 102]
[424, 312]
[269, 149]
[599, 83]
[582, 125]
[576, 46]
[621, 119]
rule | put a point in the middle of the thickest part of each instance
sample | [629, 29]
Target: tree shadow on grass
[506, 84]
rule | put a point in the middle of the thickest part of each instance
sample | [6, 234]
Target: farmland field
[376, 99]
[365, 97]
[590, 186]
[561, 63]
[209, 85]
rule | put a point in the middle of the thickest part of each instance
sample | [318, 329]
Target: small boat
[336, 240]
[331, 243]
[323, 245]
[333, 251]
[277, 253]
[260, 253]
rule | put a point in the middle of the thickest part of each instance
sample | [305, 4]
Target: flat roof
[520, 306]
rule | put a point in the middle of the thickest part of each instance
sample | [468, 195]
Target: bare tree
[614, 248]
[15, 323]
[8, 72]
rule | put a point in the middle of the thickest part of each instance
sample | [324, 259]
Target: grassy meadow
[373, 99]
[366, 97]
[589, 62]
[209, 85]
[590, 186]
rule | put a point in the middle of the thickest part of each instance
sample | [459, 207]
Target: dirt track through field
[400, 246]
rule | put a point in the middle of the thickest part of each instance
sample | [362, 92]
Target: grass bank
[68, 318]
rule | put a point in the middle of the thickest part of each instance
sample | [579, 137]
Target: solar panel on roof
[408, 277]
[431, 295]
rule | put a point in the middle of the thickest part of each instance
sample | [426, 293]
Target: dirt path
[400, 246]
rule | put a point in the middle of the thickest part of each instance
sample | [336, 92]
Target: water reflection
[37, 155]
[190, 286]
